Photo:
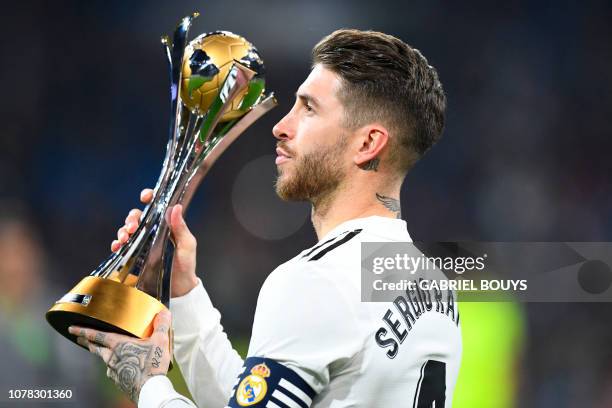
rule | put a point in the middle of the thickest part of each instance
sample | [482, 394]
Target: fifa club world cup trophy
[217, 90]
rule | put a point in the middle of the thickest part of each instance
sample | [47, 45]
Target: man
[370, 108]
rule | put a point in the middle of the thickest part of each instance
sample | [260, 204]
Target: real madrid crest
[254, 387]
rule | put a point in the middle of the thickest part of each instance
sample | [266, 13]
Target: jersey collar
[383, 226]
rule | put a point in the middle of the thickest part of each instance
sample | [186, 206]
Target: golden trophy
[217, 90]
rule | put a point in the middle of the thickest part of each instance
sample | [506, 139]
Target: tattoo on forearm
[392, 204]
[372, 164]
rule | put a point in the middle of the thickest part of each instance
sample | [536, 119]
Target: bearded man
[368, 111]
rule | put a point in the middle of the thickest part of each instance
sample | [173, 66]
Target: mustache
[286, 148]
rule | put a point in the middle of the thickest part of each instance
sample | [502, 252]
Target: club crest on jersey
[254, 387]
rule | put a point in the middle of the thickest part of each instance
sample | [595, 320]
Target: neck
[351, 202]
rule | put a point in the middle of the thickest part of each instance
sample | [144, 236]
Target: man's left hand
[131, 362]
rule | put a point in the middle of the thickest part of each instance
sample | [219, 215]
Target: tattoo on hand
[392, 204]
[99, 338]
[129, 362]
[372, 164]
[156, 361]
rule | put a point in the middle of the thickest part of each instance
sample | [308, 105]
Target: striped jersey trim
[286, 399]
[322, 244]
[266, 383]
[335, 245]
[295, 391]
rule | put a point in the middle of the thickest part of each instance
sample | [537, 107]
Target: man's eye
[308, 107]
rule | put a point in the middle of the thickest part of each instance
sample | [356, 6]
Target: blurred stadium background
[525, 157]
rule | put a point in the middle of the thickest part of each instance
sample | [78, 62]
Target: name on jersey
[400, 318]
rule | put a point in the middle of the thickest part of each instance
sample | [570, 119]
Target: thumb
[162, 323]
[183, 238]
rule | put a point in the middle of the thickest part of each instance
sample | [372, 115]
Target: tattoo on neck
[392, 204]
[372, 164]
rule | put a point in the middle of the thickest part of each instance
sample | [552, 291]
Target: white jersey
[314, 342]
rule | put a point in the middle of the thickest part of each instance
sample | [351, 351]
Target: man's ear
[372, 140]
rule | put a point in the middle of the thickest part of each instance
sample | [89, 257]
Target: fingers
[95, 341]
[133, 218]
[83, 342]
[115, 246]
[131, 221]
[146, 195]
[94, 336]
[122, 238]
[183, 238]
[122, 235]
[103, 352]
[131, 225]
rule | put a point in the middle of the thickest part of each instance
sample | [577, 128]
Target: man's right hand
[184, 263]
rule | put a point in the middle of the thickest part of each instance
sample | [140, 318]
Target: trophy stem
[150, 262]
[176, 140]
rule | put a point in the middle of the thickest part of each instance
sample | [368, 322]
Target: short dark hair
[385, 79]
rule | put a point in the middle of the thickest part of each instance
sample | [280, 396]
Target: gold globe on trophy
[217, 90]
[208, 60]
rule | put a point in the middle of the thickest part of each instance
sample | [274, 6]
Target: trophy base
[107, 305]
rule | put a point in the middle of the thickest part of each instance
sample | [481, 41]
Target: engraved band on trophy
[217, 91]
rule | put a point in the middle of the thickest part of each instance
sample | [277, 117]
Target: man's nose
[282, 130]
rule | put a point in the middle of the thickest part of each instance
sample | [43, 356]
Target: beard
[313, 177]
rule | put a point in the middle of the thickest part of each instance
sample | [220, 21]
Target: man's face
[312, 159]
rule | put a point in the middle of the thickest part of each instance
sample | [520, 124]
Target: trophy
[217, 90]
